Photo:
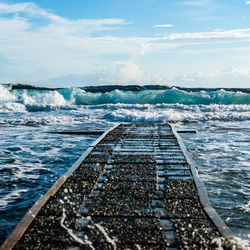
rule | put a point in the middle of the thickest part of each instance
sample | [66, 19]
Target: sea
[33, 155]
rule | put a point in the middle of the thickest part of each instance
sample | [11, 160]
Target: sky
[189, 43]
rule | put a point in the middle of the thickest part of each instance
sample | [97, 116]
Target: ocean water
[32, 158]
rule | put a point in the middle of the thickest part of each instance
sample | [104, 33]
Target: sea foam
[162, 105]
[173, 95]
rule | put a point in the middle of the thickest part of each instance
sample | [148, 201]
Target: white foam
[8, 101]
[137, 106]
[4, 201]
[182, 113]
[71, 233]
[5, 95]
[111, 241]
[36, 120]
[239, 244]
[52, 98]
[138, 246]
[246, 207]
[12, 107]
[19, 101]
[219, 243]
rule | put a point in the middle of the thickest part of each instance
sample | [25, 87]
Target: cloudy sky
[196, 43]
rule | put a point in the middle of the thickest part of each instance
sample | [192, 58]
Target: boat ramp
[134, 188]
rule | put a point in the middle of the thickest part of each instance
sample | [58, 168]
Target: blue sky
[192, 43]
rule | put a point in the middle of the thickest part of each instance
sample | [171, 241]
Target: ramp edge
[203, 196]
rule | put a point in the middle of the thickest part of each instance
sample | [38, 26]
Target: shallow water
[32, 159]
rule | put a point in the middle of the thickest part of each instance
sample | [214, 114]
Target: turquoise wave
[78, 96]
[168, 96]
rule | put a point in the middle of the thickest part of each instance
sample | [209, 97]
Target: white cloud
[11, 26]
[163, 26]
[215, 35]
[207, 18]
[57, 22]
[247, 2]
[56, 46]
[228, 78]
[120, 72]
[193, 3]
[27, 8]
[236, 33]
[126, 72]
[18, 8]
[178, 40]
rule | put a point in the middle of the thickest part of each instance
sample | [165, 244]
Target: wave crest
[21, 100]
[168, 96]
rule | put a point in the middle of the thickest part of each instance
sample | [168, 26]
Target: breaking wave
[169, 96]
[139, 95]
[154, 103]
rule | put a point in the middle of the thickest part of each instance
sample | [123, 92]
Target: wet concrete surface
[133, 191]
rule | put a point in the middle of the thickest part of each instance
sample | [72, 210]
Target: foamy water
[31, 159]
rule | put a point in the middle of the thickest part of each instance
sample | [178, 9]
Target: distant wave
[109, 88]
[37, 99]
[167, 96]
